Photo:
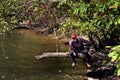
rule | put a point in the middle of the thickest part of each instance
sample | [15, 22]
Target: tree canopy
[99, 19]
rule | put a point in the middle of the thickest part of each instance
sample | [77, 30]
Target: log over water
[53, 54]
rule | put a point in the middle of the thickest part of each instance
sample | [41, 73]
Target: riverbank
[98, 55]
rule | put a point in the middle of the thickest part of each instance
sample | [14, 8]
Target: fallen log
[53, 54]
[66, 54]
[95, 56]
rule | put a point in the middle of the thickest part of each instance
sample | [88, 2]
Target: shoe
[73, 64]
[88, 65]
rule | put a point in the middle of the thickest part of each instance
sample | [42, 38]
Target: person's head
[74, 36]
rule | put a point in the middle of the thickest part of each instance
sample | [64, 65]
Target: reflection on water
[17, 60]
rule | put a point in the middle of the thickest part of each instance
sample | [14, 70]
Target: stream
[17, 58]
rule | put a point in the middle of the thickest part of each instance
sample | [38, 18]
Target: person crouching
[76, 46]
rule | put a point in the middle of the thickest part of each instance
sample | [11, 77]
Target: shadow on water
[17, 61]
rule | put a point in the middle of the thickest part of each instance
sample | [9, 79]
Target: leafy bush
[99, 19]
[38, 12]
[8, 10]
[115, 57]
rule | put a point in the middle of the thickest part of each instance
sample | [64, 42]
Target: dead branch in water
[53, 54]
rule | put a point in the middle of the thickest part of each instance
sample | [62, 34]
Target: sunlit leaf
[118, 72]
[116, 4]
[118, 21]
[118, 65]
[112, 54]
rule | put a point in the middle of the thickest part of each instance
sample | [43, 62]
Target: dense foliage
[115, 55]
[8, 12]
[36, 12]
[99, 19]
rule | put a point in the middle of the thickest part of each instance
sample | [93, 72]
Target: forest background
[97, 19]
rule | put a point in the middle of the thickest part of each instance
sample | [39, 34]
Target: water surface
[17, 58]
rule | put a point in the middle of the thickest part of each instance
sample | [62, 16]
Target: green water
[17, 58]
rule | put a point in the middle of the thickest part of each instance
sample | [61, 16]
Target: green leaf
[118, 72]
[112, 54]
[114, 58]
[116, 4]
[118, 65]
[118, 21]
[116, 48]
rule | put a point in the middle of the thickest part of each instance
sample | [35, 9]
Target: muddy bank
[26, 24]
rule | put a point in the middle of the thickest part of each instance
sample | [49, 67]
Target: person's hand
[74, 54]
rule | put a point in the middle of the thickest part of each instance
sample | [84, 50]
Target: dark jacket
[77, 45]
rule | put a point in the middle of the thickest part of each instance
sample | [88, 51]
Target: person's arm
[72, 49]
[85, 42]
[71, 45]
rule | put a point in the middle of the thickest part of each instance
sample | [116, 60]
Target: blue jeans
[74, 55]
